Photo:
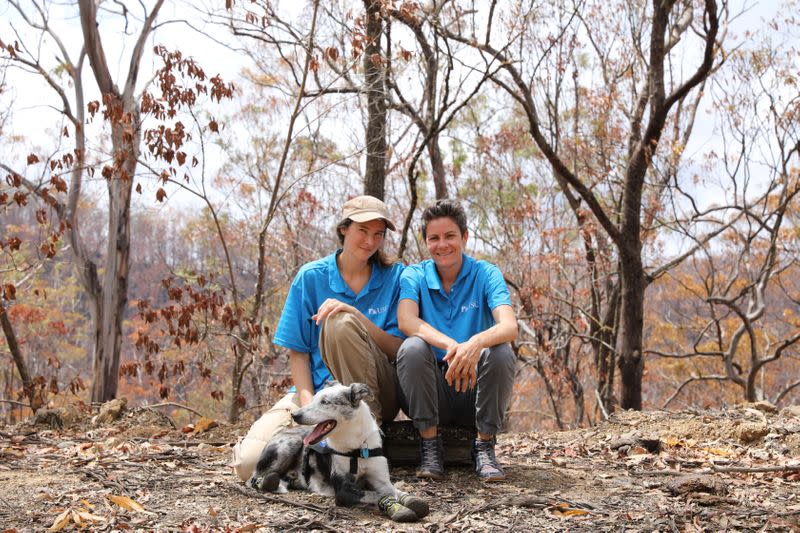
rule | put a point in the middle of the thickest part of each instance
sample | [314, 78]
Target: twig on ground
[14, 402]
[7, 504]
[252, 493]
[719, 470]
[173, 404]
[105, 481]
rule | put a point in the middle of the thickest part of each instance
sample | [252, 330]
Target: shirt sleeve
[294, 327]
[496, 288]
[409, 284]
[391, 327]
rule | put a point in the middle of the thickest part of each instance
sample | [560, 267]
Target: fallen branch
[173, 404]
[252, 493]
[720, 470]
[755, 469]
[106, 481]
[14, 402]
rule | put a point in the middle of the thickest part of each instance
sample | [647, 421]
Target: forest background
[631, 166]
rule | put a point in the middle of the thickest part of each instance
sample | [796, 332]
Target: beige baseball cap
[366, 208]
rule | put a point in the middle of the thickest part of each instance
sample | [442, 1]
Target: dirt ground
[732, 470]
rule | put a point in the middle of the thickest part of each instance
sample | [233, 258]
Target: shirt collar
[337, 283]
[335, 279]
[433, 280]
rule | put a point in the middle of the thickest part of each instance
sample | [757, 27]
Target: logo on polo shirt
[377, 310]
[469, 306]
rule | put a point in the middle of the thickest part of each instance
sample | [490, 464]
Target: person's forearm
[497, 334]
[388, 343]
[504, 329]
[416, 327]
[301, 376]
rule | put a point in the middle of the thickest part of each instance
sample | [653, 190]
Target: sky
[35, 120]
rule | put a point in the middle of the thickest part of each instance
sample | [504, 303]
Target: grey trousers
[429, 401]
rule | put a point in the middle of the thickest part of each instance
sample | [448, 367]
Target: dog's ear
[359, 391]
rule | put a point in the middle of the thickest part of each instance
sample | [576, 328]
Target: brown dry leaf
[249, 528]
[85, 515]
[718, 451]
[61, 521]
[126, 503]
[564, 509]
[204, 424]
[574, 512]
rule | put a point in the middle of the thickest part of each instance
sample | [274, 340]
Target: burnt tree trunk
[374, 75]
[631, 322]
[19, 360]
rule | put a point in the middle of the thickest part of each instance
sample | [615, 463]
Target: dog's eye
[323, 401]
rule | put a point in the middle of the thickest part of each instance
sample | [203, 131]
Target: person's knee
[341, 322]
[413, 352]
[502, 359]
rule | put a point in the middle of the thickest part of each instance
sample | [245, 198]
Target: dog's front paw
[416, 504]
[268, 482]
[396, 510]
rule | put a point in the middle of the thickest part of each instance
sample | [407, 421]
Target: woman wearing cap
[340, 321]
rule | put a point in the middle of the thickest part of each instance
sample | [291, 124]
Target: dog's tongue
[319, 431]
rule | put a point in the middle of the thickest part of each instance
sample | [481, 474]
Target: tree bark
[437, 167]
[374, 75]
[629, 351]
[110, 299]
[115, 280]
[19, 360]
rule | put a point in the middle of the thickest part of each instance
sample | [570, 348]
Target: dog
[348, 464]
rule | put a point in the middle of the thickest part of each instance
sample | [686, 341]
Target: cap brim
[371, 215]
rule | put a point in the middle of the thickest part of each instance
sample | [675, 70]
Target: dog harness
[355, 455]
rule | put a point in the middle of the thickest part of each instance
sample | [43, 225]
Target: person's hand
[329, 307]
[462, 360]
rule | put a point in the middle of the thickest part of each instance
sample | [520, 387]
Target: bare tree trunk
[437, 167]
[110, 301]
[603, 343]
[115, 279]
[374, 73]
[630, 360]
[19, 360]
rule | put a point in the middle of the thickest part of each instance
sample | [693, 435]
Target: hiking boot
[486, 465]
[431, 458]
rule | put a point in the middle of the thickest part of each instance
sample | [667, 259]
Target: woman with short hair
[456, 367]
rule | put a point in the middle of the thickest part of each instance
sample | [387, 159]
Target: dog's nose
[295, 418]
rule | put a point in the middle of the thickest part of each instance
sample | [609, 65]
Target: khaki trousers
[353, 357]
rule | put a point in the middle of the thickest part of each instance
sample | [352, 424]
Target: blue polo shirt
[316, 282]
[467, 310]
